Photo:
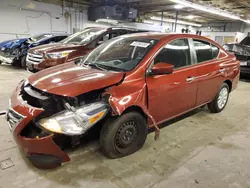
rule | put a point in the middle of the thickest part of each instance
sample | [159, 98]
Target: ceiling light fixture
[210, 10]
[109, 21]
[190, 17]
[154, 18]
[246, 21]
[178, 6]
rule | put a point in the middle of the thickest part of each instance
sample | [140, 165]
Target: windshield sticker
[140, 44]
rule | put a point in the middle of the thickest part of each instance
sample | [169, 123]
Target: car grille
[35, 58]
[13, 118]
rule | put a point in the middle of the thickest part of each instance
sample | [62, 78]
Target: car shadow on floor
[179, 118]
[10, 67]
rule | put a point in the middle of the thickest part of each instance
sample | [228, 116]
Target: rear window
[203, 51]
[215, 51]
[84, 37]
[39, 37]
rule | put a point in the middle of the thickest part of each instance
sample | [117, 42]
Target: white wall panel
[21, 18]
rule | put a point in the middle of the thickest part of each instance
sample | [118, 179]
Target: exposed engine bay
[67, 118]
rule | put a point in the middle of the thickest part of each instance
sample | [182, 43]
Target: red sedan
[126, 85]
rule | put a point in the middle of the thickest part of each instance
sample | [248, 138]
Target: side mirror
[162, 68]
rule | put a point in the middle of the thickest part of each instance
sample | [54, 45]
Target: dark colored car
[242, 53]
[12, 43]
[8, 47]
[72, 48]
[14, 52]
[126, 85]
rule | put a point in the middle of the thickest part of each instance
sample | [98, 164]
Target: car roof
[123, 28]
[164, 36]
[114, 28]
[53, 34]
[60, 34]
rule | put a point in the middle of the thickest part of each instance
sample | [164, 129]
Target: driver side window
[176, 53]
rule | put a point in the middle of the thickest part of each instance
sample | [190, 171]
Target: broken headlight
[75, 121]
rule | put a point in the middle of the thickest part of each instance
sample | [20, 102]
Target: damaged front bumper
[8, 57]
[7, 60]
[41, 149]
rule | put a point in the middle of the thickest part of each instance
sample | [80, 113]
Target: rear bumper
[43, 152]
[245, 70]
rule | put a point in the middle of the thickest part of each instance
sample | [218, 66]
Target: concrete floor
[197, 150]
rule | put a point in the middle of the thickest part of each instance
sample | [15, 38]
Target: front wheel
[221, 99]
[23, 62]
[16, 63]
[124, 135]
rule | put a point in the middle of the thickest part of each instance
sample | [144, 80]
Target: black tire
[214, 106]
[1, 62]
[123, 135]
[16, 63]
[23, 62]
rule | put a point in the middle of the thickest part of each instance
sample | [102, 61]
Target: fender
[128, 94]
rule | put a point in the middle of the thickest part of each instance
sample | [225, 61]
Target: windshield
[39, 37]
[84, 37]
[119, 54]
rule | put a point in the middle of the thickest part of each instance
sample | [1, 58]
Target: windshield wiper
[103, 67]
[95, 66]
[113, 68]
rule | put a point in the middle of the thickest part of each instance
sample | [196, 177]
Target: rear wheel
[1, 62]
[124, 135]
[221, 99]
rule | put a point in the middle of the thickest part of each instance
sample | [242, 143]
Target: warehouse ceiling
[236, 7]
[149, 8]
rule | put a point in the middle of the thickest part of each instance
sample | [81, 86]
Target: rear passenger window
[203, 51]
[115, 34]
[60, 38]
[176, 53]
[215, 51]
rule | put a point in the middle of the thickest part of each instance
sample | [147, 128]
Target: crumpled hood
[12, 43]
[55, 47]
[73, 80]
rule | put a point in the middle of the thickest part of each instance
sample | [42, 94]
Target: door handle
[190, 79]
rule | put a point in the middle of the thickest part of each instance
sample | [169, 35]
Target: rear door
[209, 71]
[172, 94]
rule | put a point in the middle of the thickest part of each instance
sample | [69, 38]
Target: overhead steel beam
[79, 2]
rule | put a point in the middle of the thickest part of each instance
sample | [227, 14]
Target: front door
[172, 94]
